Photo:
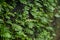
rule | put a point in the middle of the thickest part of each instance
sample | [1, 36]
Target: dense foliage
[26, 19]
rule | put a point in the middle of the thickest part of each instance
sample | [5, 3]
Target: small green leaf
[30, 25]
[50, 28]
[29, 31]
[57, 15]
[23, 1]
[7, 35]
[16, 27]
[51, 1]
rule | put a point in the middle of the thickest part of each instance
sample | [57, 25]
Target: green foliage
[33, 23]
